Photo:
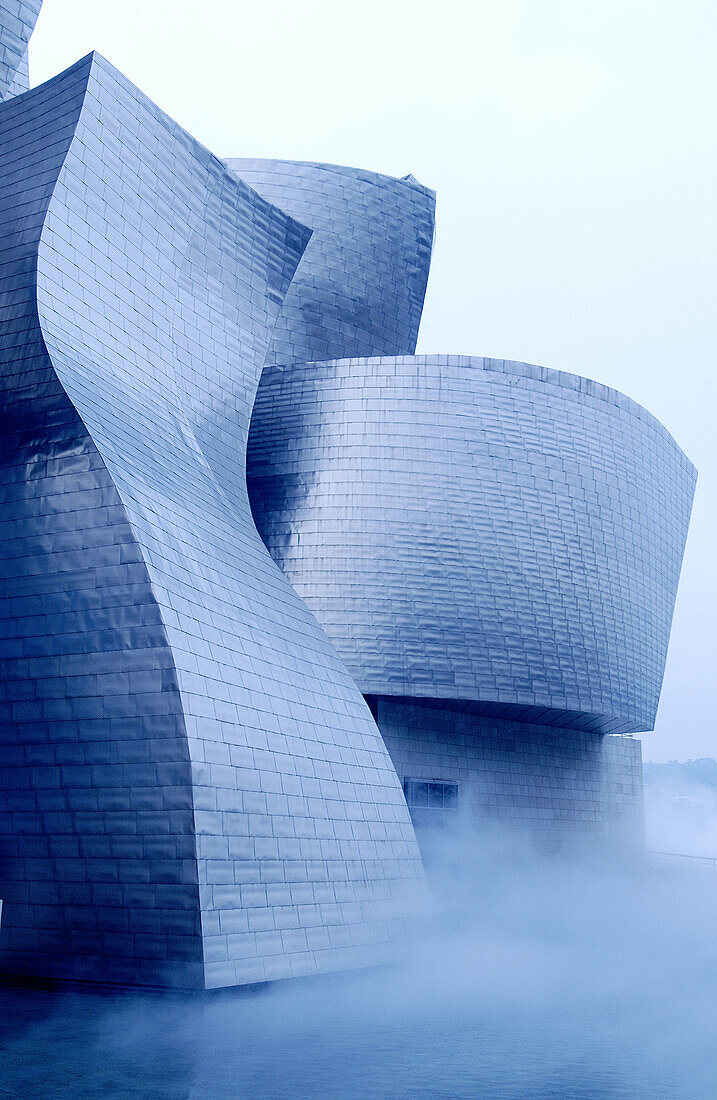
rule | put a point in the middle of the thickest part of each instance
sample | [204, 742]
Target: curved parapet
[192, 790]
[477, 530]
[17, 22]
[360, 286]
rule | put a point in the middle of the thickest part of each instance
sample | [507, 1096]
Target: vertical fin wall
[159, 277]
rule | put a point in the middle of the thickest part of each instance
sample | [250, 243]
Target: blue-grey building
[194, 790]
[17, 22]
[273, 590]
[360, 284]
[494, 550]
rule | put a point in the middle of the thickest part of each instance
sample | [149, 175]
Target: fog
[554, 975]
[681, 807]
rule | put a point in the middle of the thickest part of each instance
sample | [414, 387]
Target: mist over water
[554, 975]
[681, 807]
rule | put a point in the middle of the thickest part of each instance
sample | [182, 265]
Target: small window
[419, 793]
[450, 796]
[429, 799]
[435, 794]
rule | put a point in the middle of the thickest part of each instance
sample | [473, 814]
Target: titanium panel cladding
[360, 285]
[17, 22]
[516, 778]
[478, 530]
[193, 790]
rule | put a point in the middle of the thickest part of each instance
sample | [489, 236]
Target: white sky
[572, 147]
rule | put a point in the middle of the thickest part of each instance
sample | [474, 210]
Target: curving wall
[477, 530]
[17, 22]
[192, 790]
[360, 285]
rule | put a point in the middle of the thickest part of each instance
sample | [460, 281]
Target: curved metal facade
[17, 22]
[360, 285]
[477, 530]
[193, 789]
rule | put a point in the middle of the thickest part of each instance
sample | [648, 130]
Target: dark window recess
[427, 799]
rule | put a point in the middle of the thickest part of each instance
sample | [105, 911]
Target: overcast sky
[572, 147]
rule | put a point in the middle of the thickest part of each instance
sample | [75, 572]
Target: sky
[572, 148]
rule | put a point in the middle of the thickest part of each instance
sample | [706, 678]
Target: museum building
[277, 596]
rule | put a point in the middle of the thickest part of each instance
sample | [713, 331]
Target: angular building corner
[214, 746]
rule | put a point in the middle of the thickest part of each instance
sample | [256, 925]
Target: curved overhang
[477, 530]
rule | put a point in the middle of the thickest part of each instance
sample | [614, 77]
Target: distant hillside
[702, 771]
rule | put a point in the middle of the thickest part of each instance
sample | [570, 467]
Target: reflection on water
[530, 980]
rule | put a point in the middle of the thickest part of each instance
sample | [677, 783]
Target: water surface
[531, 980]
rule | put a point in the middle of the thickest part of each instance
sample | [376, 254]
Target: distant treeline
[702, 771]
